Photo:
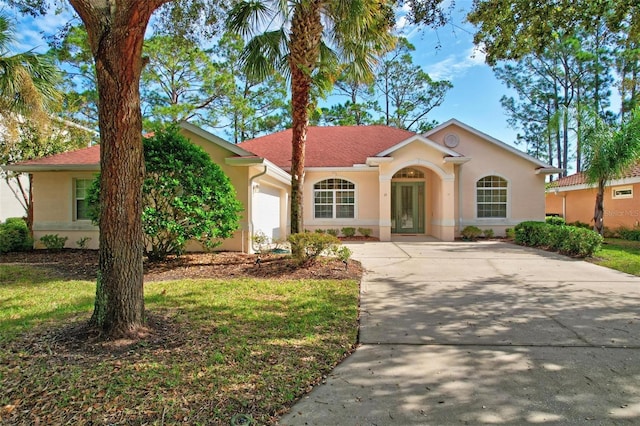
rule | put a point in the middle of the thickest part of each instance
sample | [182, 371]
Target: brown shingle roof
[579, 179]
[334, 146]
[83, 156]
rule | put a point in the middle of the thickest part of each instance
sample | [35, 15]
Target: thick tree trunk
[306, 33]
[598, 214]
[116, 32]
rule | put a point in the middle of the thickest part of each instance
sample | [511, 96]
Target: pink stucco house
[393, 181]
[573, 199]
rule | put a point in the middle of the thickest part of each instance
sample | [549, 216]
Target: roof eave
[376, 161]
[52, 167]
[548, 170]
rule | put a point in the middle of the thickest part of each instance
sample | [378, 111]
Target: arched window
[334, 199]
[409, 173]
[491, 198]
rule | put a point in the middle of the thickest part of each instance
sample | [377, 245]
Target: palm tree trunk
[598, 214]
[306, 33]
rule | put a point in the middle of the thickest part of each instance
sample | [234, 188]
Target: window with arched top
[409, 173]
[334, 199]
[491, 197]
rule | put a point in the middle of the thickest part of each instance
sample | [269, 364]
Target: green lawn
[226, 348]
[621, 255]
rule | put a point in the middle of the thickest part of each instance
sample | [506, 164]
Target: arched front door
[407, 207]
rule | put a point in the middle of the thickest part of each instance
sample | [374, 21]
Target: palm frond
[266, 53]
[249, 17]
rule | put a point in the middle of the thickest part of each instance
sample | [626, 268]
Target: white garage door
[266, 212]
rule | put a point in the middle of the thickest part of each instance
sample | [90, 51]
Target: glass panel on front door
[407, 207]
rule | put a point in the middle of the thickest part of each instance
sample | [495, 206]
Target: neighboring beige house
[393, 181]
[573, 199]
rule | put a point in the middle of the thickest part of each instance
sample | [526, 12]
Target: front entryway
[407, 207]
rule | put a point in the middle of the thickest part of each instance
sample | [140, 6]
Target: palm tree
[311, 39]
[609, 152]
[27, 80]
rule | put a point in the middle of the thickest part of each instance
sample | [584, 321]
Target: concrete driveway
[485, 333]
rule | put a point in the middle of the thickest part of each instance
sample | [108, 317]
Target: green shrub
[14, 235]
[365, 232]
[320, 231]
[629, 234]
[579, 224]
[510, 233]
[185, 196]
[307, 246]
[554, 220]
[569, 240]
[82, 242]
[471, 233]
[348, 232]
[53, 242]
[488, 233]
[333, 232]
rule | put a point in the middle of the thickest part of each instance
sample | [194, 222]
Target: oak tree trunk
[116, 33]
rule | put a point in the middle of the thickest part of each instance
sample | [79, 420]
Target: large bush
[14, 235]
[185, 196]
[569, 240]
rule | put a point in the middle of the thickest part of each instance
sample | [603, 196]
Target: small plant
[82, 242]
[488, 233]
[348, 232]
[471, 233]
[510, 233]
[333, 232]
[308, 246]
[365, 232]
[320, 231]
[579, 224]
[53, 242]
[343, 253]
[260, 239]
[554, 220]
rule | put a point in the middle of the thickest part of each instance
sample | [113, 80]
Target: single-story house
[573, 199]
[389, 180]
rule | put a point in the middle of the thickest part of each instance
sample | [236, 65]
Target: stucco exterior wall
[578, 205]
[53, 200]
[367, 195]
[525, 187]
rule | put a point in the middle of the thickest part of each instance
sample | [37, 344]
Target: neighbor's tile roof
[333, 146]
[579, 179]
[83, 156]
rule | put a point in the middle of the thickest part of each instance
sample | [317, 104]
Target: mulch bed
[83, 265]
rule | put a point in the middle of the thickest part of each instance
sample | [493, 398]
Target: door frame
[418, 197]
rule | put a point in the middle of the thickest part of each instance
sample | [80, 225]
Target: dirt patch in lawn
[83, 265]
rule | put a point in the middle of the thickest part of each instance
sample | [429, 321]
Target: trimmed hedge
[564, 239]
[14, 235]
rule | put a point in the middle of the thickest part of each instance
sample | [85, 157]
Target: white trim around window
[621, 192]
[334, 198]
[492, 198]
[80, 192]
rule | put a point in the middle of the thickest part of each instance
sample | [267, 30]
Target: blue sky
[474, 98]
[449, 53]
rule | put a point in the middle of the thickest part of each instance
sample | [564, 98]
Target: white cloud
[456, 65]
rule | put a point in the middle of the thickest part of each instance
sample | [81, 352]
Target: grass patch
[224, 348]
[622, 255]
